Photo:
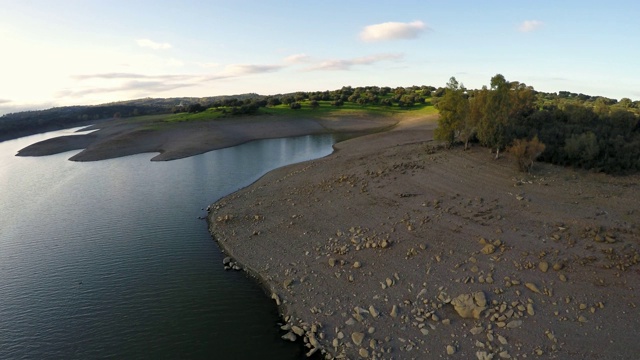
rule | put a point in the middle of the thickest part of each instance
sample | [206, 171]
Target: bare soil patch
[122, 137]
[391, 248]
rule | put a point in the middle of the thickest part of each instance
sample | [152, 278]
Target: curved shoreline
[363, 251]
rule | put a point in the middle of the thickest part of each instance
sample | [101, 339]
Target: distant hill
[25, 123]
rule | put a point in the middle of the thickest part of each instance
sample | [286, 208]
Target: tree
[314, 104]
[492, 128]
[454, 111]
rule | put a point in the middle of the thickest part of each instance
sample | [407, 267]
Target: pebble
[357, 338]
[357, 265]
[451, 350]
[363, 353]
[543, 266]
[289, 336]
[532, 287]
[488, 249]
[373, 311]
[394, 311]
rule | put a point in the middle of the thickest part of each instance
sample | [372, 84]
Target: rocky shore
[393, 248]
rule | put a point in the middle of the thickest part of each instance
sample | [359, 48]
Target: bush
[295, 105]
[526, 152]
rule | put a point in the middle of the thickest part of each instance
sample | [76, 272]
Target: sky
[73, 52]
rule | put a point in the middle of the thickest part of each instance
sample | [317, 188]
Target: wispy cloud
[530, 25]
[143, 84]
[346, 64]
[297, 58]
[246, 69]
[146, 43]
[4, 101]
[119, 76]
[140, 87]
[392, 31]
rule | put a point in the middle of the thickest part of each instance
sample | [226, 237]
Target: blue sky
[87, 52]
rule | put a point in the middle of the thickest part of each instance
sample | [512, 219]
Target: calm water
[107, 259]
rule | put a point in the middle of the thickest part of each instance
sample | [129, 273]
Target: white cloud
[346, 64]
[530, 25]
[297, 58]
[146, 43]
[392, 31]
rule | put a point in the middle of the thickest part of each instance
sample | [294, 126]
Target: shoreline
[365, 250]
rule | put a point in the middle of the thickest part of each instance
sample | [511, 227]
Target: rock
[363, 353]
[470, 305]
[275, 297]
[543, 266]
[451, 350]
[582, 319]
[483, 355]
[357, 265]
[289, 336]
[514, 324]
[424, 331]
[332, 262]
[562, 277]
[488, 249]
[530, 310]
[311, 352]
[226, 260]
[476, 330]
[504, 355]
[357, 338]
[502, 340]
[373, 311]
[394, 311]
[287, 282]
[297, 330]
[558, 266]
[532, 287]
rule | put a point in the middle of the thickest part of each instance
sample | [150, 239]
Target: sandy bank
[366, 250]
[122, 137]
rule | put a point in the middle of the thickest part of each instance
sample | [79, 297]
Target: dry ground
[366, 249]
[122, 137]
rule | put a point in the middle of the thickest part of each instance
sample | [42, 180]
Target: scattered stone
[543, 266]
[394, 311]
[514, 324]
[297, 330]
[332, 262]
[289, 336]
[451, 350]
[532, 287]
[357, 265]
[488, 249]
[530, 309]
[476, 330]
[357, 338]
[373, 311]
[470, 305]
[363, 353]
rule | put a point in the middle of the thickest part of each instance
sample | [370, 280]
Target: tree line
[594, 133]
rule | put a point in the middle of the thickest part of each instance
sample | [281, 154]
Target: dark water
[108, 259]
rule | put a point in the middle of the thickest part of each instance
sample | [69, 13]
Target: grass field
[325, 109]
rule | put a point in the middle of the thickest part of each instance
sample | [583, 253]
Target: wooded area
[594, 133]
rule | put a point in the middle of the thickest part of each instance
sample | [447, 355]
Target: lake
[109, 259]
